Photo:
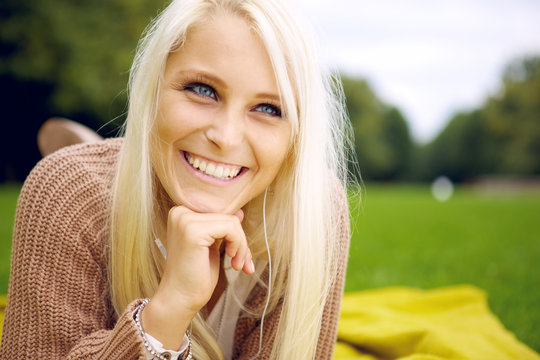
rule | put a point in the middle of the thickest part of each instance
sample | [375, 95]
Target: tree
[64, 58]
[513, 118]
[382, 139]
[501, 137]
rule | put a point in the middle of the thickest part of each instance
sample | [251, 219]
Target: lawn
[402, 236]
[8, 202]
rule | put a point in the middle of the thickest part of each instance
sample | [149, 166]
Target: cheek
[178, 119]
[169, 125]
[275, 152]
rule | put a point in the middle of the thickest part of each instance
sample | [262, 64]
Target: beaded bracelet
[147, 345]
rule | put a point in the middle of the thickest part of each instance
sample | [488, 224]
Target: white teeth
[219, 172]
[211, 169]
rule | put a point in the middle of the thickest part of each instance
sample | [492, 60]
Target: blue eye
[202, 89]
[268, 109]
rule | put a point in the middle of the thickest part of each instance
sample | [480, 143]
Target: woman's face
[219, 138]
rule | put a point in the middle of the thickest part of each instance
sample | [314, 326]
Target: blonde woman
[216, 228]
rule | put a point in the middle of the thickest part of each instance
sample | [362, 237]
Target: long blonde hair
[302, 230]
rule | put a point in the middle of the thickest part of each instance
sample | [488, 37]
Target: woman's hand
[193, 260]
[192, 269]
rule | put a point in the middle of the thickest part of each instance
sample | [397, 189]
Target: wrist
[154, 347]
[165, 322]
[169, 296]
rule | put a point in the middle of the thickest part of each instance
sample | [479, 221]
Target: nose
[227, 130]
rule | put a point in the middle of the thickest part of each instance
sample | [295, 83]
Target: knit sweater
[59, 304]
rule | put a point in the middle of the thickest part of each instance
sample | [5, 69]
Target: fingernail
[251, 266]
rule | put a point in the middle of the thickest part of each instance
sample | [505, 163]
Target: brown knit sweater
[58, 301]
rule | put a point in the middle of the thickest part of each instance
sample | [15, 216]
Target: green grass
[403, 236]
[8, 203]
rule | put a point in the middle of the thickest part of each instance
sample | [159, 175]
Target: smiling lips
[219, 171]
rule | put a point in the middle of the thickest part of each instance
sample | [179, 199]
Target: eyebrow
[268, 96]
[200, 74]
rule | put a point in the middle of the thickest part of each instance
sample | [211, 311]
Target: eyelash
[275, 111]
[193, 86]
[272, 110]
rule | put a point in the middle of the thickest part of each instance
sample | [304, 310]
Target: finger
[235, 239]
[207, 229]
[239, 259]
[180, 210]
[226, 230]
[249, 267]
[179, 217]
[239, 214]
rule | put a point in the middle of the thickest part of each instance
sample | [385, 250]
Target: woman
[216, 228]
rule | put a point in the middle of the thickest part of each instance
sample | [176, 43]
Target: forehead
[225, 45]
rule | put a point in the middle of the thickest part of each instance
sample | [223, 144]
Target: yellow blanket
[3, 302]
[411, 324]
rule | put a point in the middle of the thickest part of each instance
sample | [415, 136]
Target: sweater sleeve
[58, 303]
[247, 337]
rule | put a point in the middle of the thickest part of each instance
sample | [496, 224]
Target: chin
[210, 206]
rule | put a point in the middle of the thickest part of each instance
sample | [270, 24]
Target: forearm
[46, 323]
[121, 342]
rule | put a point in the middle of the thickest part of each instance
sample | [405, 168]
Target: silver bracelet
[147, 345]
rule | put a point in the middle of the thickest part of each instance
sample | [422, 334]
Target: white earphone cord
[269, 277]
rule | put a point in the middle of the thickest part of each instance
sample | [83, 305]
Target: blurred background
[443, 96]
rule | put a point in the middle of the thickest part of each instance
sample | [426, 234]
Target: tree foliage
[63, 58]
[501, 137]
[382, 140]
[82, 48]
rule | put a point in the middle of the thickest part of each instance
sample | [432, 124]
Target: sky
[430, 58]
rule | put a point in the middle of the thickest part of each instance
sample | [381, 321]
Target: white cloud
[430, 58]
